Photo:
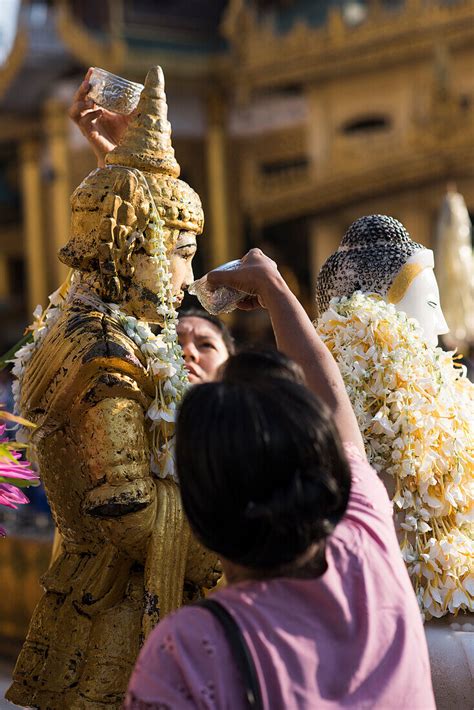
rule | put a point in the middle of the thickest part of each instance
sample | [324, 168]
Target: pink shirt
[351, 638]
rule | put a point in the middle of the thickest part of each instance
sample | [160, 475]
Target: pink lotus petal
[17, 471]
[11, 496]
[17, 475]
[15, 468]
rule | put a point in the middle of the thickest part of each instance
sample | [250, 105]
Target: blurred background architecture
[291, 118]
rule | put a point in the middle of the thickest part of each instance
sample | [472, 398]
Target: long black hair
[263, 475]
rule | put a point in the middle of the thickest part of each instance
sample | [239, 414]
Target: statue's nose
[188, 279]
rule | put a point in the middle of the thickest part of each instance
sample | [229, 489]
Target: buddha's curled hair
[369, 257]
[261, 468]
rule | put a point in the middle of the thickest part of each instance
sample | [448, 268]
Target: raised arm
[294, 333]
[102, 128]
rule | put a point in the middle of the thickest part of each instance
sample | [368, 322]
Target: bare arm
[102, 128]
[294, 334]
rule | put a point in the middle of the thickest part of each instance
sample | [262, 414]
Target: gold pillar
[32, 224]
[324, 239]
[220, 250]
[4, 278]
[58, 190]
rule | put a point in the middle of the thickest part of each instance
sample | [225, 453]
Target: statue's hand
[103, 129]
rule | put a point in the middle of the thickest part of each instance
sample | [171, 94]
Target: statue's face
[141, 299]
[421, 301]
[181, 264]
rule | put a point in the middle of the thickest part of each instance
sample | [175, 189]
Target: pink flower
[15, 468]
[13, 472]
[11, 496]
[11, 465]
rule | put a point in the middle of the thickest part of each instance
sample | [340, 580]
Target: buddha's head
[112, 232]
[377, 255]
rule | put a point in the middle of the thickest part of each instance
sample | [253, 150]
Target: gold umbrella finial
[146, 144]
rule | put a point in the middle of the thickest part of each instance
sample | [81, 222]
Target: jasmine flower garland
[42, 322]
[415, 409]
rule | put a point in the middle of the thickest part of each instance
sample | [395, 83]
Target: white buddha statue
[377, 255]
[415, 408]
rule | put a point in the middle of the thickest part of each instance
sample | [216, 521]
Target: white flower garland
[162, 352]
[415, 409]
[42, 322]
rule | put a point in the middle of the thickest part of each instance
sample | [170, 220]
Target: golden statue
[102, 390]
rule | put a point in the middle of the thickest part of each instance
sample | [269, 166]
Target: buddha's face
[141, 298]
[421, 301]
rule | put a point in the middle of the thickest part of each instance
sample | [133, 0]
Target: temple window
[278, 167]
[363, 125]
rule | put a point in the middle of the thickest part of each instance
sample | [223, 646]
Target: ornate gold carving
[266, 58]
[429, 133]
[400, 172]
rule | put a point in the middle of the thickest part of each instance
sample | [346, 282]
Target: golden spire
[146, 144]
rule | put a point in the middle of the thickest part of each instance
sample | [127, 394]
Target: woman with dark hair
[206, 343]
[303, 526]
[286, 482]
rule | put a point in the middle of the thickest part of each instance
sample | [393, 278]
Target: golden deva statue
[101, 389]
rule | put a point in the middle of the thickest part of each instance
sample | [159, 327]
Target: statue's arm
[115, 455]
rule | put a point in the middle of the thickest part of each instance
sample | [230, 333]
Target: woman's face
[421, 301]
[141, 297]
[204, 350]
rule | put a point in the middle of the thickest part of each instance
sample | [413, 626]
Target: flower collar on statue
[415, 409]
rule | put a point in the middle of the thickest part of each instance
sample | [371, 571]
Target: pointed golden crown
[146, 144]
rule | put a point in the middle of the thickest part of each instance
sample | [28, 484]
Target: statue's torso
[84, 359]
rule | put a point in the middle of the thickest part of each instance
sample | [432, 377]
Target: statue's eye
[433, 304]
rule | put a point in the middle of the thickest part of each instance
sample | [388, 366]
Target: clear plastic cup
[112, 92]
[222, 299]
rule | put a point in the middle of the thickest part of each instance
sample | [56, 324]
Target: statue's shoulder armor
[99, 338]
[83, 351]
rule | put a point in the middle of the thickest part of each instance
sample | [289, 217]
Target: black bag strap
[240, 651]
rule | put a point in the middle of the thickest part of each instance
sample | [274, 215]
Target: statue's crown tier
[146, 144]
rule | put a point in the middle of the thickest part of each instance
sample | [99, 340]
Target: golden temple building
[291, 117]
